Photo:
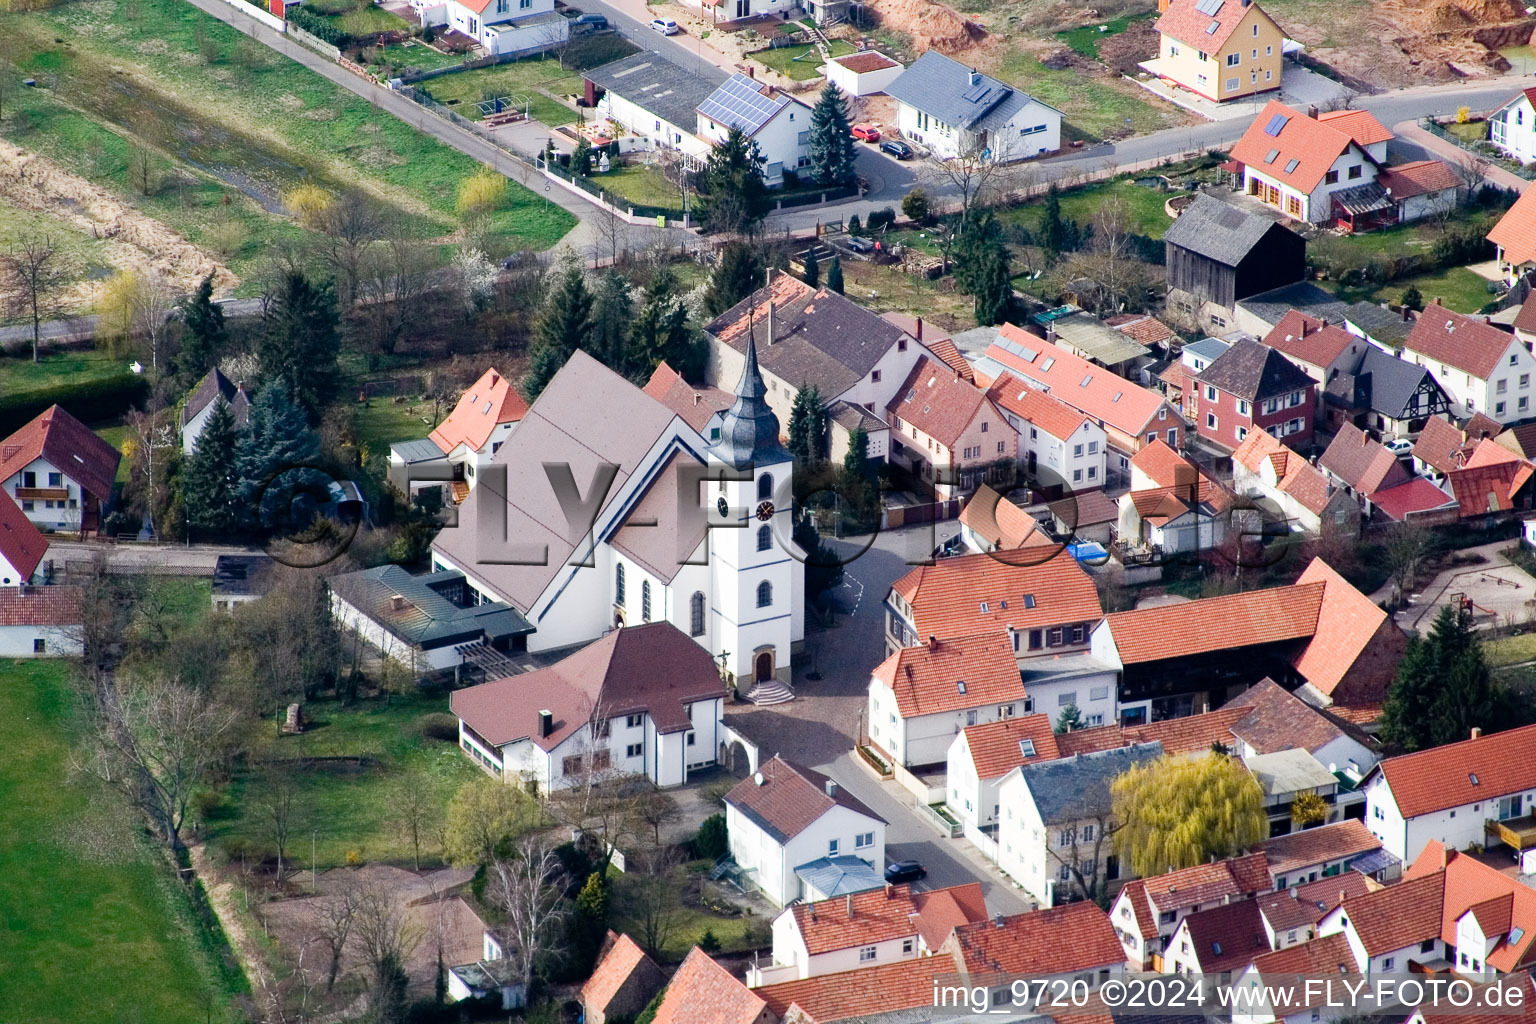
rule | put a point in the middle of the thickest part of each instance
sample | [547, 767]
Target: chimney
[890, 891]
[770, 321]
[918, 333]
[933, 642]
[751, 71]
[495, 378]
[397, 602]
[997, 922]
[546, 723]
[1407, 314]
[697, 398]
[1050, 333]
[1476, 731]
[850, 906]
[831, 788]
[975, 77]
[1312, 111]
[1293, 893]
[1342, 894]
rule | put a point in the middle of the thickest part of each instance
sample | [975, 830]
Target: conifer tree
[299, 341]
[210, 481]
[737, 275]
[831, 151]
[564, 326]
[835, 276]
[205, 334]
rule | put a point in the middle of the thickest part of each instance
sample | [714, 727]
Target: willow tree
[1176, 812]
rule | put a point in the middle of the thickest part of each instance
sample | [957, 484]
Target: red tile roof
[1500, 904]
[880, 915]
[1187, 735]
[1314, 846]
[1142, 327]
[40, 606]
[1361, 462]
[1226, 938]
[703, 992]
[1216, 623]
[1311, 340]
[66, 443]
[954, 674]
[1441, 335]
[946, 598]
[1420, 177]
[694, 404]
[1417, 495]
[1440, 445]
[1237, 878]
[1061, 940]
[1354, 638]
[1515, 232]
[619, 961]
[653, 668]
[1164, 466]
[939, 402]
[487, 402]
[21, 543]
[1313, 145]
[1303, 906]
[996, 747]
[1001, 523]
[1035, 406]
[1276, 719]
[904, 985]
[1491, 479]
[1293, 474]
[1327, 956]
[1182, 21]
[1135, 893]
[790, 798]
[1399, 915]
[1360, 125]
[863, 63]
[1443, 777]
[1093, 390]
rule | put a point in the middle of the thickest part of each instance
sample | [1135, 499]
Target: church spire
[749, 430]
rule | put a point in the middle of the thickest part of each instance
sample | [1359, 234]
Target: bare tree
[157, 743]
[332, 918]
[1111, 261]
[1406, 545]
[350, 225]
[288, 998]
[1080, 847]
[391, 280]
[608, 236]
[154, 303]
[412, 811]
[980, 176]
[142, 171]
[526, 889]
[554, 38]
[279, 803]
[598, 798]
[652, 892]
[387, 936]
[656, 809]
[33, 270]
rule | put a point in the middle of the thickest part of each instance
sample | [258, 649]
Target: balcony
[42, 493]
[1519, 834]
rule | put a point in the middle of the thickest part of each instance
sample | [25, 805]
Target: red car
[867, 132]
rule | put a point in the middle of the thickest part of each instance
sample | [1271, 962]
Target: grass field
[382, 422]
[800, 63]
[95, 927]
[81, 258]
[228, 122]
[1090, 107]
[1472, 131]
[1458, 288]
[640, 183]
[735, 933]
[540, 84]
[1143, 205]
[1510, 650]
[415, 54]
[1085, 39]
[19, 374]
[884, 289]
[359, 18]
[346, 806]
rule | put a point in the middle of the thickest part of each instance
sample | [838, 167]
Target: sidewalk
[1410, 131]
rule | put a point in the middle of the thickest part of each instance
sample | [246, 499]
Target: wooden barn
[1218, 253]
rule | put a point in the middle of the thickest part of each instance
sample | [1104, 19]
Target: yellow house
[1219, 49]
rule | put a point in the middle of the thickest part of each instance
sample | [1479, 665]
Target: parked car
[898, 149]
[867, 132]
[666, 26]
[1398, 446]
[904, 871]
[590, 23]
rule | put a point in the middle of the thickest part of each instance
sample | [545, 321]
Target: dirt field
[127, 239]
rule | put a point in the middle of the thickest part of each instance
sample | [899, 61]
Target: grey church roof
[749, 430]
[1218, 230]
[941, 88]
[1077, 787]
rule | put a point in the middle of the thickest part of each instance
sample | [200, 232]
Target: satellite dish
[757, 777]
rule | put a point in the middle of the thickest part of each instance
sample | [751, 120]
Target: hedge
[317, 26]
[92, 401]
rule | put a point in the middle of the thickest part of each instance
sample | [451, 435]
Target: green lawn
[1085, 38]
[800, 63]
[383, 422]
[95, 928]
[81, 257]
[359, 17]
[1458, 287]
[1143, 205]
[1510, 650]
[735, 933]
[1092, 108]
[343, 806]
[19, 374]
[640, 183]
[226, 116]
[1472, 131]
[115, 436]
[414, 54]
[538, 84]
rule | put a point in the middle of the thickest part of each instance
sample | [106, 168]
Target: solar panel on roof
[1210, 7]
[1028, 354]
[976, 92]
[1277, 124]
[1291, 165]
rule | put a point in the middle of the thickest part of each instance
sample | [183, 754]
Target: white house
[980, 756]
[643, 700]
[953, 111]
[779, 123]
[654, 99]
[465, 442]
[1217, 941]
[1326, 851]
[500, 26]
[1263, 467]
[40, 622]
[862, 74]
[22, 545]
[1448, 794]
[1059, 446]
[59, 472]
[1051, 839]
[1481, 368]
[1148, 911]
[865, 929]
[784, 820]
[492, 974]
[1278, 720]
[200, 403]
[1512, 128]
[643, 547]
[1272, 1001]
[1297, 163]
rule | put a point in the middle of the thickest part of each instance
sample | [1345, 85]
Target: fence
[979, 839]
[312, 41]
[267, 18]
[1512, 166]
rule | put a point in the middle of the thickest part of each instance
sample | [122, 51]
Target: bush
[711, 842]
[854, 226]
[708, 942]
[440, 726]
[882, 219]
[317, 26]
[915, 205]
[248, 853]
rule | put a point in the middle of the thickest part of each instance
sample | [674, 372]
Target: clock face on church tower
[765, 511]
[724, 507]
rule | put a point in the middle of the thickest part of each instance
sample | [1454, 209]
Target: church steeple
[749, 430]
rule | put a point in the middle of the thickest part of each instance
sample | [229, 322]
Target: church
[606, 508]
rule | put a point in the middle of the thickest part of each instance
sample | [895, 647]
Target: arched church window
[764, 594]
[697, 610]
[765, 487]
[764, 537]
[618, 583]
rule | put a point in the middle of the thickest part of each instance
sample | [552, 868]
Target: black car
[590, 23]
[904, 871]
[898, 149]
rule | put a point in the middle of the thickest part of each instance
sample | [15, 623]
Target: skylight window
[1027, 748]
[1049, 362]
[960, 685]
[985, 607]
[1473, 777]
[1117, 397]
[1291, 165]
[1212, 28]
[1086, 380]
[1271, 157]
[1029, 600]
